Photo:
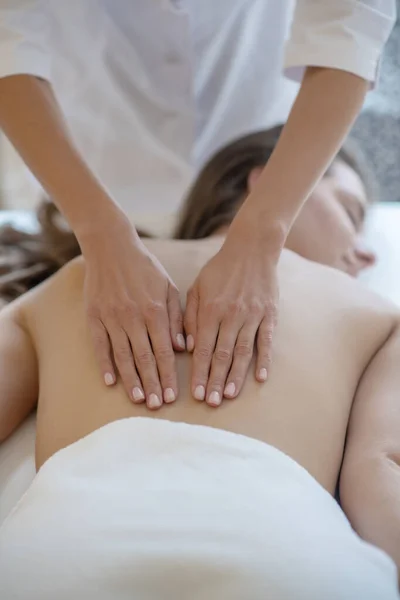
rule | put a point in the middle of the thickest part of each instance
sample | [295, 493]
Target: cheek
[325, 234]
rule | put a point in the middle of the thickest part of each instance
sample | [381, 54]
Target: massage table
[17, 467]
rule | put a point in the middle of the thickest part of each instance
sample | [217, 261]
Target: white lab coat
[151, 88]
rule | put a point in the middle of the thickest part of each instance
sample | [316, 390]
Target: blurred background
[377, 130]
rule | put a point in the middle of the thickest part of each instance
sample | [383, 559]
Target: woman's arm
[31, 118]
[19, 387]
[327, 104]
[235, 297]
[124, 284]
[370, 477]
[341, 42]
[237, 291]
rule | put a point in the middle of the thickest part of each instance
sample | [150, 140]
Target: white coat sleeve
[341, 34]
[23, 35]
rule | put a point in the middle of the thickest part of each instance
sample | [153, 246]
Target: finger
[264, 348]
[160, 337]
[145, 363]
[102, 350]
[175, 319]
[222, 360]
[125, 363]
[190, 318]
[242, 355]
[203, 352]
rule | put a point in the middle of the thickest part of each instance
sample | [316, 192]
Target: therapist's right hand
[135, 316]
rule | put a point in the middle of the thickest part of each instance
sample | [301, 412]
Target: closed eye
[353, 218]
[355, 210]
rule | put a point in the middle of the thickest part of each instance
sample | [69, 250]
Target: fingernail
[154, 401]
[109, 379]
[190, 343]
[262, 374]
[200, 392]
[214, 398]
[137, 394]
[230, 389]
[169, 395]
[181, 341]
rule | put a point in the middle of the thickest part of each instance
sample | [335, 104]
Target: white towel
[152, 510]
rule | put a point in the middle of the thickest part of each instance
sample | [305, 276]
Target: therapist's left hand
[233, 303]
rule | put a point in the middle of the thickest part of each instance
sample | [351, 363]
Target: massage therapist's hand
[232, 304]
[134, 310]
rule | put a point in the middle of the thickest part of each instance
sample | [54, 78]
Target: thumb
[175, 319]
[190, 319]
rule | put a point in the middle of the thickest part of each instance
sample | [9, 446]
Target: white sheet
[151, 509]
[382, 232]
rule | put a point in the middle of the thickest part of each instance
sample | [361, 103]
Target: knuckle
[191, 294]
[93, 312]
[114, 312]
[213, 307]
[168, 381]
[244, 349]
[266, 358]
[179, 318]
[154, 309]
[266, 337]
[151, 385]
[203, 352]
[222, 355]
[123, 354]
[164, 353]
[235, 308]
[271, 308]
[146, 358]
[256, 308]
[216, 385]
[128, 312]
[99, 337]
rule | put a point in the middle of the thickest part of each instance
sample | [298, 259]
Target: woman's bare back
[329, 329]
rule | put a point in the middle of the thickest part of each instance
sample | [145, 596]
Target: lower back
[302, 410]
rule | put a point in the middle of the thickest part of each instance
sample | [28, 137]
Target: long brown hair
[222, 185]
[27, 259]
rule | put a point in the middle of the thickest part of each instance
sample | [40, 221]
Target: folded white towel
[145, 509]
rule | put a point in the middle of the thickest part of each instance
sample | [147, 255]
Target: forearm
[370, 497]
[32, 120]
[327, 104]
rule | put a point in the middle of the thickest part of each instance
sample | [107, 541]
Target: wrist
[255, 229]
[110, 225]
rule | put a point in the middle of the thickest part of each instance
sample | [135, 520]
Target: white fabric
[151, 509]
[151, 88]
[17, 468]
[382, 235]
[17, 465]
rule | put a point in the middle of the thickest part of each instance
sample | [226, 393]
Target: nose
[365, 255]
[358, 258]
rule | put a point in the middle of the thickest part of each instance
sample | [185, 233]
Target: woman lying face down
[190, 501]
[328, 229]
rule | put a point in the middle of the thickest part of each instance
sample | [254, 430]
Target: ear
[253, 178]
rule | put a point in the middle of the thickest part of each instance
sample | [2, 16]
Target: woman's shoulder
[333, 287]
[55, 291]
